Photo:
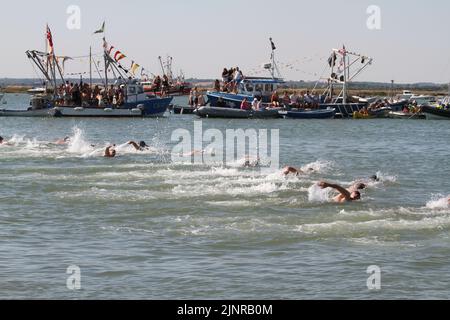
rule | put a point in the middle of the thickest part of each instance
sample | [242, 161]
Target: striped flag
[50, 41]
[119, 56]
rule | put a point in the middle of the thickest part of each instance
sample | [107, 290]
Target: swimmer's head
[1, 139]
[142, 144]
[113, 153]
[355, 196]
[66, 139]
[360, 186]
[375, 178]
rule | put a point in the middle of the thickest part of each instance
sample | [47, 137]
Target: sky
[204, 36]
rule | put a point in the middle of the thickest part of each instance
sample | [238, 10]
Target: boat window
[269, 88]
[140, 90]
[131, 90]
[259, 87]
[249, 87]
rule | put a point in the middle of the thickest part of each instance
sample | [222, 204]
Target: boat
[178, 86]
[250, 88]
[176, 109]
[344, 66]
[36, 90]
[232, 113]
[132, 101]
[309, 114]
[436, 112]
[406, 115]
[373, 114]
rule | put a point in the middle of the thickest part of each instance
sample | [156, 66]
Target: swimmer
[344, 194]
[110, 152]
[297, 172]
[251, 162]
[357, 186]
[374, 178]
[4, 142]
[66, 140]
[139, 147]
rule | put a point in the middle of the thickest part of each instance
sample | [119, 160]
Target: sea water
[141, 227]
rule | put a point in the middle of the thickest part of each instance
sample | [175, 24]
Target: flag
[50, 41]
[343, 51]
[101, 30]
[118, 55]
[273, 44]
[134, 67]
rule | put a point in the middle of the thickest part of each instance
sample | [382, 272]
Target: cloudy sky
[203, 36]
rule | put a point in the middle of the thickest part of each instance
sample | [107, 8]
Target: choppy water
[142, 227]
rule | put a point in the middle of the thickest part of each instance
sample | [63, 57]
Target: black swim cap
[142, 144]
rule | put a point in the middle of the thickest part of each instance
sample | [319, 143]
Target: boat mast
[90, 67]
[162, 65]
[344, 93]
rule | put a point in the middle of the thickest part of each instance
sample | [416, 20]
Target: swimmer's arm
[344, 192]
[135, 145]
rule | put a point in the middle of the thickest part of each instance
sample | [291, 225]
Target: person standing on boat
[225, 76]
[165, 86]
[217, 86]
[255, 104]
[76, 95]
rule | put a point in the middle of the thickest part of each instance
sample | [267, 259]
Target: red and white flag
[50, 41]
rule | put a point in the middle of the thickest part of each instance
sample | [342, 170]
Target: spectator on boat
[225, 76]
[286, 99]
[110, 152]
[101, 102]
[293, 99]
[76, 95]
[157, 84]
[245, 105]
[275, 100]
[260, 105]
[344, 194]
[165, 85]
[217, 86]
[238, 76]
[255, 104]
[201, 100]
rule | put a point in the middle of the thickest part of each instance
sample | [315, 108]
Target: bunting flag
[50, 41]
[343, 51]
[101, 30]
[134, 67]
[273, 45]
[118, 55]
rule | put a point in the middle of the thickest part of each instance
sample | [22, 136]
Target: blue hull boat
[309, 114]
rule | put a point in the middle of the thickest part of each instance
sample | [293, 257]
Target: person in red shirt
[245, 105]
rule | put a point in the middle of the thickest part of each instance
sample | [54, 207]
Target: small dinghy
[434, 113]
[230, 113]
[309, 114]
[407, 116]
[27, 113]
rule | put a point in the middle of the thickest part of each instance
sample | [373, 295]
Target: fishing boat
[233, 113]
[436, 112]
[178, 86]
[250, 88]
[309, 114]
[132, 100]
[344, 67]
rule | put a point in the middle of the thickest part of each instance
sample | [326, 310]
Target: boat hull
[229, 113]
[26, 113]
[433, 113]
[312, 114]
[407, 116]
[344, 110]
[148, 108]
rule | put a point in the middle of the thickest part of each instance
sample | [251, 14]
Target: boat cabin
[259, 86]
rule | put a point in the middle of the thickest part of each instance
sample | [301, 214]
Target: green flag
[101, 30]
